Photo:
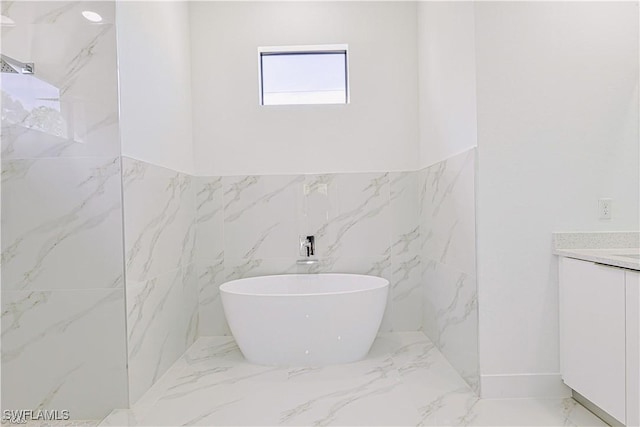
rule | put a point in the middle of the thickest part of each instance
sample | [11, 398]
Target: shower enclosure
[63, 298]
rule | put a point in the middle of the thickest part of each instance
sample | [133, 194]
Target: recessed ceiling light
[91, 16]
[5, 20]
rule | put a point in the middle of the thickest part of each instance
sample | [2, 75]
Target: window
[303, 75]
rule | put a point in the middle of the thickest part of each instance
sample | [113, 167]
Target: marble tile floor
[404, 380]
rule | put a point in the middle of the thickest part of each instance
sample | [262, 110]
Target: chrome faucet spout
[307, 246]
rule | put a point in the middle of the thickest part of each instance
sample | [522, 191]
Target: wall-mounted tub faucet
[307, 246]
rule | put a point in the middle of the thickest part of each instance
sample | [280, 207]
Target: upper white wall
[154, 65]
[557, 87]
[446, 79]
[234, 135]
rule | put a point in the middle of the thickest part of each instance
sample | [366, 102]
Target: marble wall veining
[209, 254]
[161, 284]
[63, 343]
[415, 228]
[185, 236]
[447, 227]
[363, 222]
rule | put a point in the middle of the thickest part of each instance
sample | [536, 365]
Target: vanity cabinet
[593, 333]
[633, 347]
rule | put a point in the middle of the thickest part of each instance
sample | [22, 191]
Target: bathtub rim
[384, 283]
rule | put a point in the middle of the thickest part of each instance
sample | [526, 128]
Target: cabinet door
[592, 333]
[633, 348]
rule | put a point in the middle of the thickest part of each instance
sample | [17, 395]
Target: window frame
[303, 50]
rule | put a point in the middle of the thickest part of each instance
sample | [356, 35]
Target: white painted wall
[446, 79]
[557, 88]
[234, 135]
[154, 65]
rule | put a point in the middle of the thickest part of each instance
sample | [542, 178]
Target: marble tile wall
[447, 230]
[63, 324]
[363, 223]
[161, 275]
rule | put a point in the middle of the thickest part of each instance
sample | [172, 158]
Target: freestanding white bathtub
[305, 319]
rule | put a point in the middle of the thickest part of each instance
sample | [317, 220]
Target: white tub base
[305, 320]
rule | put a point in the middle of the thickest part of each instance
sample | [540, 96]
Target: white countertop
[611, 256]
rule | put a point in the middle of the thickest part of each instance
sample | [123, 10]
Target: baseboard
[523, 386]
[596, 410]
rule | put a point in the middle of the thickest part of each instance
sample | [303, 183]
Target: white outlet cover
[604, 208]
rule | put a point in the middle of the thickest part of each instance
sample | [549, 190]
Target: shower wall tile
[162, 275]
[161, 325]
[63, 305]
[64, 349]
[61, 224]
[39, 141]
[159, 219]
[447, 228]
